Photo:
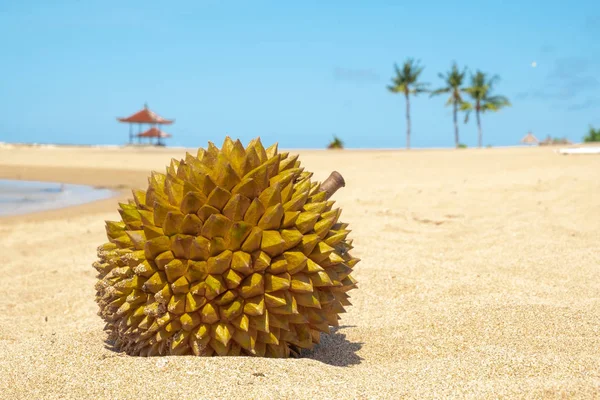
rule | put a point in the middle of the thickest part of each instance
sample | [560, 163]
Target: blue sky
[292, 72]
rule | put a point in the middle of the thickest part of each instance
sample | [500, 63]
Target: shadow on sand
[335, 349]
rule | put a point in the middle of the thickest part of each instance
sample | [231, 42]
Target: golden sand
[480, 279]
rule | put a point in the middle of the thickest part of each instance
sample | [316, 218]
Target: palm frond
[439, 91]
[406, 78]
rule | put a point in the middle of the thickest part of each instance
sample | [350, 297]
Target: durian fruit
[230, 252]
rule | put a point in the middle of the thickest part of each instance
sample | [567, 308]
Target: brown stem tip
[333, 183]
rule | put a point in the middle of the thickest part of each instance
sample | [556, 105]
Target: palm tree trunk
[407, 121]
[456, 141]
[478, 128]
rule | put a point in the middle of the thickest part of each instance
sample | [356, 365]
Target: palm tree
[454, 81]
[480, 91]
[406, 82]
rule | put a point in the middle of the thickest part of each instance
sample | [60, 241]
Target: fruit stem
[332, 184]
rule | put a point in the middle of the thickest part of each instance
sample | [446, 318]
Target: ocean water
[21, 197]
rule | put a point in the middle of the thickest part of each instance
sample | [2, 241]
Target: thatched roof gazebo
[144, 116]
[154, 133]
[530, 139]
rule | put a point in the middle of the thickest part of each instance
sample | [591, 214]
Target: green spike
[275, 299]
[177, 304]
[316, 208]
[217, 245]
[289, 219]
[306, 221]
[274, 283]
[192, 202]
[218, 198]
[272, 243]
[237, 157]
[191, 224]
[284, 178]
[308, 299]
[246, 339]
[312, 266]
[260, 261]
[145, 269]
[241, 322]
[193, 302]
[271, 151]
[292, 238]
[269, 338]
[260, 177]
[278, 265]
[138, 238]
[232, 279]
[174, 191]
[288, 163]
[247, 187]
[152, 232]
[272, 217]
[160, 212]
[236, 235]
[225, 298]
[321, 252]
[296, 261]
[271, 196]
[202, 181]
[172, 223]
[232, 310]
[206, 211]
[200, 249]
[219, 264]
[197, 270]
[156, 282]
[156, 246]
[252, 286]
[308, 243]
[209, 314]
[301, 283]
[278, 321]
[258, 147]
[236, 207]
[181, 245]
[216, 284]
[163, 259]
[320, 279]
[222, 332]
[254, 212]
[175, 269]
[252, 242]
[227, 146]
[297, 202]
[115, 229]
[190, 320]
[216, 225]
[254, 306]
[242, 263]
[260, 322]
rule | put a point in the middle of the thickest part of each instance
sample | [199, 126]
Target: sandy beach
[480, 278]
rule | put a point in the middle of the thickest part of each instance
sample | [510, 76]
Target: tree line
[406, 81]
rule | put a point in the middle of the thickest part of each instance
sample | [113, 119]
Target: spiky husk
[230, 252]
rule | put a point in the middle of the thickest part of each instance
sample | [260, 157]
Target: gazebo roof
[146, 116]
[529, 139]
[153, 133]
